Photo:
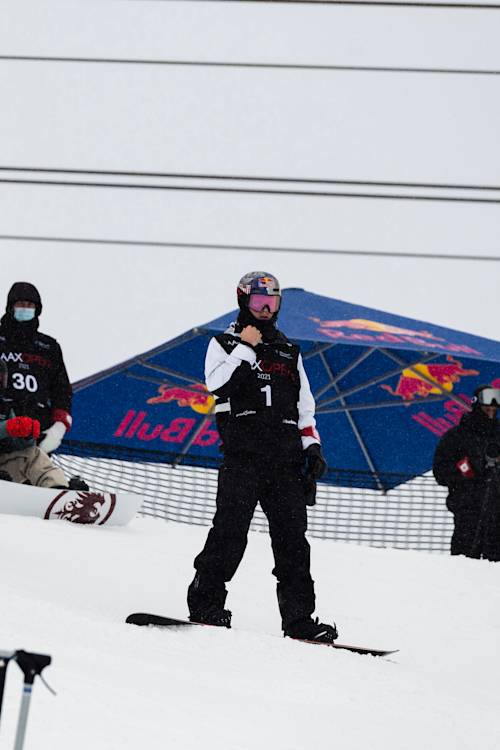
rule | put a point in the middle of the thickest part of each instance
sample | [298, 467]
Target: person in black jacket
[265, 416]
[35, 401]
[467, 461]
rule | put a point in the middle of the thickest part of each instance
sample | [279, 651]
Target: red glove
[23, 427]
[465, 468]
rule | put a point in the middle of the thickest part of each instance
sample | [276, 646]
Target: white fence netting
[413, 515]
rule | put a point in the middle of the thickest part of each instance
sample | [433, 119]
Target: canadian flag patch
[465, 467]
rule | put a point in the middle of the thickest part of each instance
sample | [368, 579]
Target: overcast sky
[105, 303]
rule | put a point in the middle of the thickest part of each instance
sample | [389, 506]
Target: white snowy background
[106, 304]
[66, 590]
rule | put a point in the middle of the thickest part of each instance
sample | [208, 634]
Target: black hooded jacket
[473, 438]
[37, 382]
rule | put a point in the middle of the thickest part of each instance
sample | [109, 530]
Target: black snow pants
[477, 521]
[280, 492]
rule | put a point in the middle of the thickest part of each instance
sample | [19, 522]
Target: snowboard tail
[159, 621]
[78, 506]
[145, 618]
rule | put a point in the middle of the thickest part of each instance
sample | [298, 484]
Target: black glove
[492, 456]
[316, 466]
[310, 491]
[77, 483]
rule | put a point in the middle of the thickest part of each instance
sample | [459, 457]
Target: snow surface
[65, 590]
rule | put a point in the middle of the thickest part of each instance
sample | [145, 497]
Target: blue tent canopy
[386, 388]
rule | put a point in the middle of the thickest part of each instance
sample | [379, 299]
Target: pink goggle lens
[258, 302]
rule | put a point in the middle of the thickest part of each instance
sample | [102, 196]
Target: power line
[249, 178]
[246, 191]
[253, 248]
[250, 65]
[362, 3]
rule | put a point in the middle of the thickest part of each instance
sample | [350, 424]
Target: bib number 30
[22, 382]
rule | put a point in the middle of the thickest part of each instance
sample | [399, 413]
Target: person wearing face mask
[35, 397]
[467, 461]
[264, 410]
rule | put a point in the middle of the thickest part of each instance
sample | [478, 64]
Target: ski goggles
[489, 397]
[258, 302]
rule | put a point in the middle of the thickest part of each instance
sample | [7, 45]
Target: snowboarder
[467, 461]
[35, 397]
[265, 416]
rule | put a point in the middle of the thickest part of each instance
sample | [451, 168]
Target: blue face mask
[23, 314]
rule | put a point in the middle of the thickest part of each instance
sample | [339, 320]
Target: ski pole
[31, 666]
[5, 657]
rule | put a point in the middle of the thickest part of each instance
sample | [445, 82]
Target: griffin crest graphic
[82, 507]
[86, 508]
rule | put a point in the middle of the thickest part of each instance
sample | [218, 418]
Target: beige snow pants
[34, 465]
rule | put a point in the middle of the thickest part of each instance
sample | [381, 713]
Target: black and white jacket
[264, 405]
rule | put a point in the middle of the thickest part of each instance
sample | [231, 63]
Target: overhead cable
[245, 248]
[247, 191]
[361, 3]
[365, 3]
[248, 178]
[254, 65]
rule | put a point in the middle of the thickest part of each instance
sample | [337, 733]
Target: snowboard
[144, 618]
[78, 506]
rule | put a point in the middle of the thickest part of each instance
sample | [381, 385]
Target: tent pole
[379, 378]
[381, 405]
[353, 425]
[317, 349]
[5, 657]
[123, 366]
[193, 437]
[168, 371]
[164, 381]
[344, 372]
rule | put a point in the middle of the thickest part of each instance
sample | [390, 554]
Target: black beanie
[23, 290]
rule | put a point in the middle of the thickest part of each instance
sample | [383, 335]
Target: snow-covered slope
[65, 590]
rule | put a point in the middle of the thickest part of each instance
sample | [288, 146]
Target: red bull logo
[265, 282]
[196, 397]
[426, 379]
[371, 331]
[359, 324]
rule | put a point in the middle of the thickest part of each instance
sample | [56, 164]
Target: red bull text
[453, 412]
[134, 426]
